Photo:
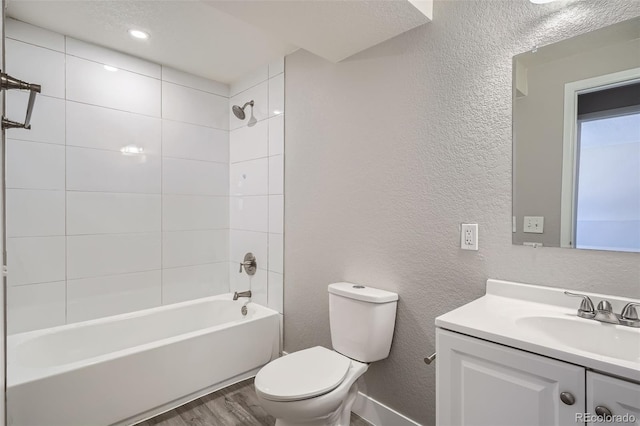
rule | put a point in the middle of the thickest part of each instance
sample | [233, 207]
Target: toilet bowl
[321, 398]
[318, 386]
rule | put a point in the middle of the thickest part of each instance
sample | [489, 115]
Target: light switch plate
[533, 224]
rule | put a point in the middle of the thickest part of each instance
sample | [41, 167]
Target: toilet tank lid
[364, 293]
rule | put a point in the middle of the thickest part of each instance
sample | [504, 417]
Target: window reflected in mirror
[608, 169]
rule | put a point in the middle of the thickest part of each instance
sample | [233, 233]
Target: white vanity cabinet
[619, 397]
[481, 383]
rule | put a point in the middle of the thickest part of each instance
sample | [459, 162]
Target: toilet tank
[362, 320]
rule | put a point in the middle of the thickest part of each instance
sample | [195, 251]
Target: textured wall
[388, 151]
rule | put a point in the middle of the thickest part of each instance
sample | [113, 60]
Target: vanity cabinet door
[479, 383]
[619, 397]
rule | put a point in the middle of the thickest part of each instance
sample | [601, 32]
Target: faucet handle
[629, 311]
[586, 309]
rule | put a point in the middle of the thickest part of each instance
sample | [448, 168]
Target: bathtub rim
[26, 374]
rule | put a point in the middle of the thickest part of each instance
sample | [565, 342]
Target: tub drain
[243, 310]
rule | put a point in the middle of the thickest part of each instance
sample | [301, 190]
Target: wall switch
[469, 236]
[533, 224]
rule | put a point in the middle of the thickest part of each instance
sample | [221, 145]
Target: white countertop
[534, 318]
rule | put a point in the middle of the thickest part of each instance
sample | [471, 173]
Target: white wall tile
[253, 79]
[112, 171]
[249, 143]
[249, 213]
[237, 281]
[34, 213]
[276, 175]
[276, 291]
[35, 260]
[188, 105]
[91, 83]
[110, 57]
[276, 253]
[184, 212]
[248, 177]
[104, 128]
[276, 95]
[259, 287]
[190, 141]
[276, 214]
[185, 248]
[47, 120]
[30, 307]
[242, 242]
[32, 165]
[182, 78]
[98, 297]
[190, 177]
[28, 33]
[276, 67]
[257, 94]
[97, 255]
[104, 213]
[276, 135]
[36, 65]
[192, 282]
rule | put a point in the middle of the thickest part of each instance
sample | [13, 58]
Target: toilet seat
[302, 375]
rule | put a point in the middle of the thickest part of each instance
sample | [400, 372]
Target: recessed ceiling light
[110, 68]
[141, 35]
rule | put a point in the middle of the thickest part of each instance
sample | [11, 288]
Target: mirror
[576, 142]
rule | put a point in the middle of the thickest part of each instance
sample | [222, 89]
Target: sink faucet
[247, 293]
[604, 313]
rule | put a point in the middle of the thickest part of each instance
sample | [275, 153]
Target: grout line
[143, 154]
[42, 283]
[66, 272]
[38, 45]
[161, 192]
[268, 183]
[262, 120]
[114, 275]
[255, 85]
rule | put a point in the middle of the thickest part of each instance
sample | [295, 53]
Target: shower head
[239, 111]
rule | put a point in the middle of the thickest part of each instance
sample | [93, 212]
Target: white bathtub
[125, 368]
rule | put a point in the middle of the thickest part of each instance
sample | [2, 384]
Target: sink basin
[542, 320]
[608, 340]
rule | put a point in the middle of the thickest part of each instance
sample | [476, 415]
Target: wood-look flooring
[236, 405]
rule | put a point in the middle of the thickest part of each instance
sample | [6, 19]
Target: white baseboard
[379, 414]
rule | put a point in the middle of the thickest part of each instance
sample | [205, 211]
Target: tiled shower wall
[96, 228]
[256, 183]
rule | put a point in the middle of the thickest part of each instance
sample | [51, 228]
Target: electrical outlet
[469, 236]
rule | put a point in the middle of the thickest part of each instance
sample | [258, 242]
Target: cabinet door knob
[567, 398]
[603, 411]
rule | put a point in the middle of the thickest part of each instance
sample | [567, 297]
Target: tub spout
[236, 295]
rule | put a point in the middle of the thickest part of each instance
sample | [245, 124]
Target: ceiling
[226, 40]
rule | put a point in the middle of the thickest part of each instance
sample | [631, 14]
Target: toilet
[318, 386]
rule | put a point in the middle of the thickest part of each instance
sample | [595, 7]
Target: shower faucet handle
[250, 265]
